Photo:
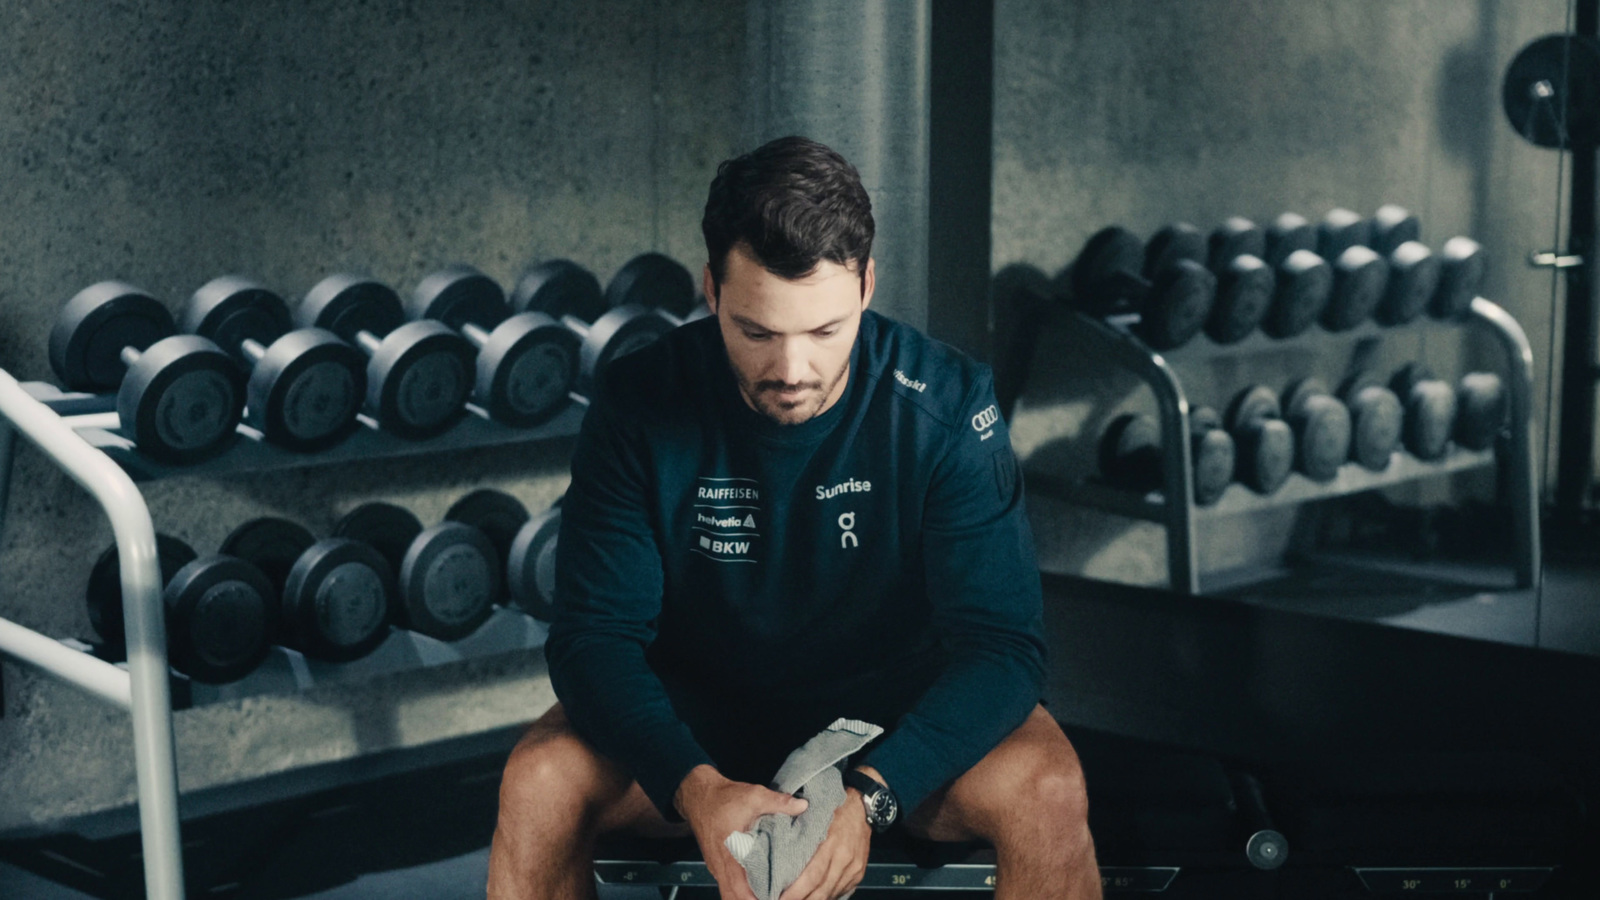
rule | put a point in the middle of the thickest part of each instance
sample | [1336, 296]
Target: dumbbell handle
[475, 333]
[369, 342]
[576, 324]
[129, 356]
[252, 350]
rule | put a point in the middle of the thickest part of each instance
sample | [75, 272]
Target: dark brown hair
[792, 202]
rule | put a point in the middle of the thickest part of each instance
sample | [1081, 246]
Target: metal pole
[853, 74]
[1575, 459]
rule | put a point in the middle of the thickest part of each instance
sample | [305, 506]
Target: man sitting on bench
[792, 511]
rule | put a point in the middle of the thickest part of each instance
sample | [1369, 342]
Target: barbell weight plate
[1288, 233]
[1179, 303]
[1175, 241]
[1244, 294]
[527, 369]
[559, 287]
[104, 591]
[495, 513]
[531, 564]
[1104, 278]
[1413, 280]
[304, 394]
[458, 295]
[448, 582]
[337, 600]
[232, 309]
[1393, 225]
[183, 399]
[1232, 239]
[346, 304]
[271, 544]
[1482, 409]
[1360, 276]
[1462, 265]
[94, 326]
[1304, 283]
[419, 380]
[1340, 230]
[1551, 92]
[385, 527]
[652, 280]
[221, 619]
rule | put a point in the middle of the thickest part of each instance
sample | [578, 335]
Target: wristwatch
[882, 807]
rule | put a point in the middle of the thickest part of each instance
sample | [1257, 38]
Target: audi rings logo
[985, 418]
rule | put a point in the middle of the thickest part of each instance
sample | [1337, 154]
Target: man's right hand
[716, 807]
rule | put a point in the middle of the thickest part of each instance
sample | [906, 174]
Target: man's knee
[553, 770]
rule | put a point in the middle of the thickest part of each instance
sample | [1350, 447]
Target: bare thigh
[613, 801]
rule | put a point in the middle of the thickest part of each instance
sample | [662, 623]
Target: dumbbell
[447, 577]
[180, 397]
[1393, 225]
[527, 364]
[652, 280]
[1340, 230]
[334, 595]
[418, 373]
[1288, 233]
[305, 385]
[1430, 406]
[1245, 282]
[219, 611]
[526, 545]
[1130, 454]
[1462, 265]
[1482, 410]
[1360, 277]
[615, 334]
[1264, 443]
[1413, 281]
[1376, 420]
[1173, 305]
[1322, 428]
[1303, 285]
[558, 288]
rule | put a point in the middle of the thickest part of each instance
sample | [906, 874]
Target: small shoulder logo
[986, 418]
[909, 382]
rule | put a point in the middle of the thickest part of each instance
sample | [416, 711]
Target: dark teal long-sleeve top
[884, 543]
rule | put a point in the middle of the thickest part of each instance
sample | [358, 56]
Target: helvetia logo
[851, 486]
[986, 418]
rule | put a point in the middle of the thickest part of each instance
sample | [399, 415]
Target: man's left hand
[841, 860]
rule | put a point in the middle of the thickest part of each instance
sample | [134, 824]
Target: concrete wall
[168, 143]
[1143, 113]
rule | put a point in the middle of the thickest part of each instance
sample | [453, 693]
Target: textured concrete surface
[172, 142]
[1143, 113]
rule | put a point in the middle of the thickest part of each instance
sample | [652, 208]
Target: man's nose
[792, 364]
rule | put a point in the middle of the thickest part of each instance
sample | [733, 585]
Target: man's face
[789, 341]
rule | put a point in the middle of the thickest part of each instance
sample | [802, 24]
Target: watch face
[884, 808]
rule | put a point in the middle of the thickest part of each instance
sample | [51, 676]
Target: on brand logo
[847, 521]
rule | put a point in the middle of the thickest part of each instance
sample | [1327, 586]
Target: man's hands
[716, 807]
[841, 860]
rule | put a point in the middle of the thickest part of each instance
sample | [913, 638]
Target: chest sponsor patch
[728, 516]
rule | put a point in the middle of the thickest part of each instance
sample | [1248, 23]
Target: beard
[790, 404]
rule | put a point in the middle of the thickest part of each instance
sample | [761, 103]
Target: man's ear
[708, 286]
[869, 281]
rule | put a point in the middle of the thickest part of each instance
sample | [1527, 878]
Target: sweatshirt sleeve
[983, 584]
[609, 586]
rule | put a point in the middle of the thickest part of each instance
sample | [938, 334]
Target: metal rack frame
[1173, 505]
[78, 433]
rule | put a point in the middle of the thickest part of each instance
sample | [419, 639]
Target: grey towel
[776, 850]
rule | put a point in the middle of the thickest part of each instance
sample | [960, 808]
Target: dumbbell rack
[1173, 505]
[77, 433]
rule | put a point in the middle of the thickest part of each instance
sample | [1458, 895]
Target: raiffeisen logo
[844, 487]
[912, 383]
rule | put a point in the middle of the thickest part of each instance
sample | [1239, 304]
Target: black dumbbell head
[1105, 276]
[652, 280]
[1178, 240]
[459, 295]
[337, 600]
[1461, 269]
[1264, 444]
[221, 619]
[1215, 459]
[1288, 233]
[385, 527]
[616, 334]
[1377, 418]
[183, 400]
[531, 564]
[104, 591]
[1251, 404]
[527, 369]
[1430, 411]
[419, 379]
[1392, 226]
[348, 304]
[448, 582]
[1322, 430]
[1130, 453]
[232, 309]
[1360, 276]
[95, 325]
[271, 544]
[1244, 294]
[1340, 230]
[1413, 280]
[1179, 303]
[1232, 239]
[559, 287]
[495, 513]
[1303, 287]
[1482, 410]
